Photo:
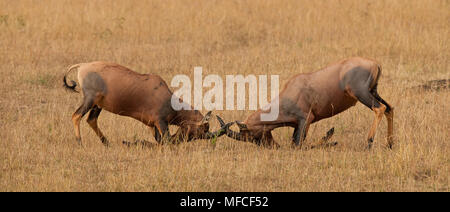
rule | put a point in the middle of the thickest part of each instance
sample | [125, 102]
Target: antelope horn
[206, 118]
[224, 128]
[230, 133]
[241, 125]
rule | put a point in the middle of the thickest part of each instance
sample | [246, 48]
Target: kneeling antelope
[145, 97]
[311, 97]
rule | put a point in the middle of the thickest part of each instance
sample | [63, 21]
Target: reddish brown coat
[308, 98]
[144, 97]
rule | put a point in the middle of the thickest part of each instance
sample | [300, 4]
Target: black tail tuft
[70, 87]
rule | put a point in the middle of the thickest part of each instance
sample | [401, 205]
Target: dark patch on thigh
[93, 83]
[290, 108]
[356, 79]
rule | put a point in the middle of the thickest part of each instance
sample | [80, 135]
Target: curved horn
[206, 118]
[224, 128]
[230, 133]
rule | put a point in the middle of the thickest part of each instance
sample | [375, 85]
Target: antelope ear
[241, 125]
[206, 118]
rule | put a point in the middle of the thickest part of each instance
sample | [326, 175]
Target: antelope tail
[73, 83]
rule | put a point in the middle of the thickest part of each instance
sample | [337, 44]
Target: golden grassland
[40, 39]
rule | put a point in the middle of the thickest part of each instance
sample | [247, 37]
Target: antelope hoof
[79, 141]
[105, 141]
[296, 147]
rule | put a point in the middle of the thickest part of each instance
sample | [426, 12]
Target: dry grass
[40, 39]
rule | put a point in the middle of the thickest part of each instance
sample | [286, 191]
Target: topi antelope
[145, 97]
[311, 97]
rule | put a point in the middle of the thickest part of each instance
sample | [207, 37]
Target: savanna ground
[40, 39]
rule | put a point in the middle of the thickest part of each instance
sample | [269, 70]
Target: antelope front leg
[162, 132]
[301, 131]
